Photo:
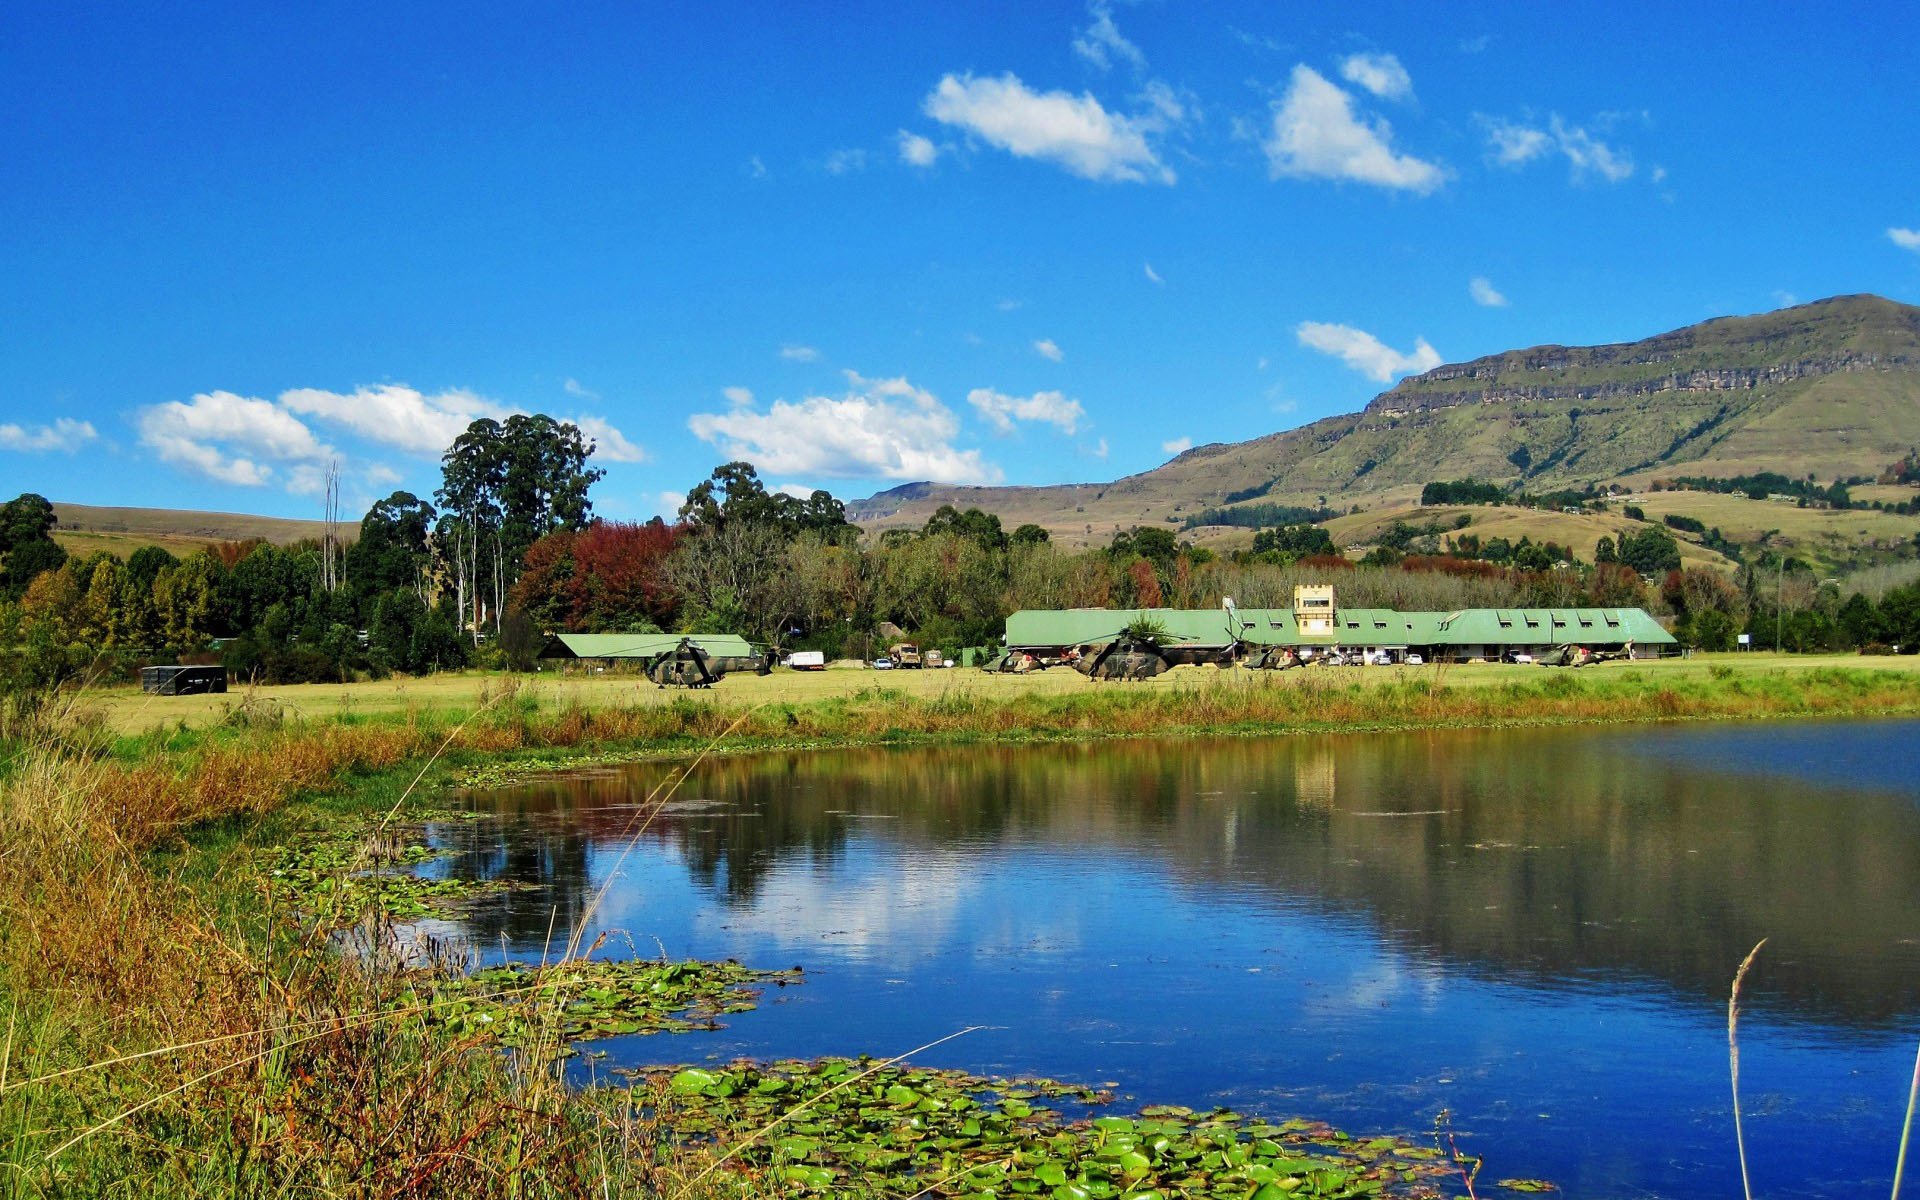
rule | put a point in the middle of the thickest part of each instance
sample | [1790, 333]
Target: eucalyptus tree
[504, 485]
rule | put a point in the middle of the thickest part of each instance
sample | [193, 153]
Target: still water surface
[1532, 929]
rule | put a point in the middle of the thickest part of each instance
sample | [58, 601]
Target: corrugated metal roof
[640, 645]
[1352, 627]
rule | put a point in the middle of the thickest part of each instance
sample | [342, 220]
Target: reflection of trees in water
[549, 858]
[1555, 857]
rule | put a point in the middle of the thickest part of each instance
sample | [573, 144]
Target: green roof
[1353, 627]
[641, 645]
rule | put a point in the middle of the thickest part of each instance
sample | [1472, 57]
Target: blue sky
[876, 243]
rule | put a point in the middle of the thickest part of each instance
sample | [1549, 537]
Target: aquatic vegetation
[853, 1126]
[347, 873]
[585, 999]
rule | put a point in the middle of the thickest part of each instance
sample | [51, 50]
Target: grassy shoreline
[135, 921]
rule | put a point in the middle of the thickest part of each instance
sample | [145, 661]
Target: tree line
[509, 549]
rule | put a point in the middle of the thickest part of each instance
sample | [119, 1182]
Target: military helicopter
[1140, 652]
[1271, 658]
[689, 666]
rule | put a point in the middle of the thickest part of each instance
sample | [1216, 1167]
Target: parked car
[807, 660]
[883, 664]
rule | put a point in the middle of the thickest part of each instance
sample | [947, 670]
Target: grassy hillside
[1580, 531]
[84, 529]
[1830, 388]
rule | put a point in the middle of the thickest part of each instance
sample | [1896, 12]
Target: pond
[1534, 930]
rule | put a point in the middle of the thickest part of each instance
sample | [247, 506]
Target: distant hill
[84, 528]
[1830, 388]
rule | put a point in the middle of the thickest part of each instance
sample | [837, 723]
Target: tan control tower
[1313, 610]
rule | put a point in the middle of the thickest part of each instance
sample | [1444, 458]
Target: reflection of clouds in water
[879, 913]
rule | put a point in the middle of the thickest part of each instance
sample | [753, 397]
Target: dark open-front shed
[183, 681]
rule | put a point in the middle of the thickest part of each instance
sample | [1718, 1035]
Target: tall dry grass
[150, 1045]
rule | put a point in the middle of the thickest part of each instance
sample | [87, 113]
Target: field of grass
[124, 709]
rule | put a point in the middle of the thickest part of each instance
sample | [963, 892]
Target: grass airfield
[125, 709]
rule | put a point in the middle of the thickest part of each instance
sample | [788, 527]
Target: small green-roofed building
[641, 645]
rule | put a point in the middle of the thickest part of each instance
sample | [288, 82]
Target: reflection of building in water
[1313, 777]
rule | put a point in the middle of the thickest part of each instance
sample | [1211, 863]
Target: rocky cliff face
[1496, 381]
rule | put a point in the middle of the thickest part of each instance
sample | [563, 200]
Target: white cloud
[225, 437]
[1317, 135]
[1179, 445]
[755, 168]
[65, 434]
[1515, 143]
[793, 353]
[1072, 131]
[1001, 411]
[1366, 353]
[250, 441]
[1101, 42]
[846, 162]
[1906, 239]
[880, 429]
[1153, 275]
[573, 387]
[799, 491]
[1380, 74]
[1484, 293]
[1009, 305]
[669, 503]
[917, 150]
[397, 415]
[1046, 349]
[1589, 154]
[1097, 450]
[609, 444]
[737, 395]
[1474, 45]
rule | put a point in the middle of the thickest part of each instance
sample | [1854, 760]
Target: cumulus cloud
[1046, 349]
[1051, 408]
[396, 415]
[670, 503]
[232, 439]
[1074, 132]
[1179, 445]
[609, 444]
[1318, 135]
[252, 442]
[794, 353]
[1102, 42]
[1380, 74]
[1906, 239]
[1366, 353]
[1484, 293]
[878, 429]
[737, 395]
[1153, 276]
[1517, 143]
[65, 434]
[917, 150]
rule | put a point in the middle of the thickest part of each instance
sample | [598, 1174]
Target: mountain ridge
[1831, 387]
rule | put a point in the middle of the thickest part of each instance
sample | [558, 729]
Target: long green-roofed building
[641, 645]
[1316, 622]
